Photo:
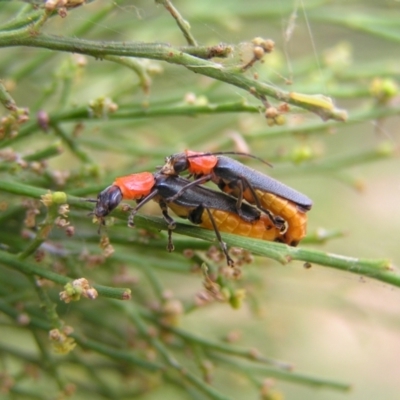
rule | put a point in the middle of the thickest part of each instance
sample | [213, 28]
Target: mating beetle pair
[279, 213]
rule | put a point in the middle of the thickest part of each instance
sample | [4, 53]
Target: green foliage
[95, 90]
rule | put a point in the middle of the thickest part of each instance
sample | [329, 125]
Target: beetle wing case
[169, 186]
[233, 170]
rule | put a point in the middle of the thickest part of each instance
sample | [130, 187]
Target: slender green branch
[129, 112]
[322, 236]
[172, 361]
[113, 353]
[49, 364]
[359, 158]
[33, 63]
[182, 23]
[72, 144]
[22, 20]
[48, 305]
[377, 25]
[209, 347]
[335, 165]
[155, 282]
[116, 354]
[134, 65]
[221, 50]
[318, 104]
[97, 376]
[379, 269]
[20, 392]
[17, 351]
[37, 241]
[55, 149]
[220, 347]
[132, 112]
[21, 189]
[294, 377]
[6, 99]
[33, 269]
[315, 127]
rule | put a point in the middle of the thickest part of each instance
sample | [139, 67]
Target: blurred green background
[330, 324]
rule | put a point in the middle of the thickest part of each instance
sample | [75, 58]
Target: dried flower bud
[62, 344]
[43, 120]
[258, 52]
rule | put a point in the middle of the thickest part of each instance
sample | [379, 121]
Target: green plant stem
[335, 165]
[155, 283]
[214, 348]
[53, 150]
[72, 144]
[47, 362]
[315, 127]
[18, 391]
[279, 374]
[33, 269]
[221, 50]
[377, 25]
[33, 63]
[6, 99]
[22, 20]
[40, 237]
[48, 305]
[174, 56]
[322, 236]
[277, 132]
[134, 65]
[115, 354]
[220, 347]
[183, 24]
[132, 111]
[22, 354]
[21, 189]
[105, 387]
[172, 362]
[379, 269]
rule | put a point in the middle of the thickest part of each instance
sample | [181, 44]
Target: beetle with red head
[200, 205]
[279, 201]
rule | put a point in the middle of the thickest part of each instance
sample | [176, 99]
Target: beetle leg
[171, 223]
[239, 201]
[168, 219]
[195, 218]
[199, 181]
[141, 203]
[278, 221]
[170, 245]
[223, 245]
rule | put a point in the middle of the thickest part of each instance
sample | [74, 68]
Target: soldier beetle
[277, 200]
[200, 205]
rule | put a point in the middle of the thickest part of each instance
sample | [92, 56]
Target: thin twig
[321, 105]
[184, 26]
